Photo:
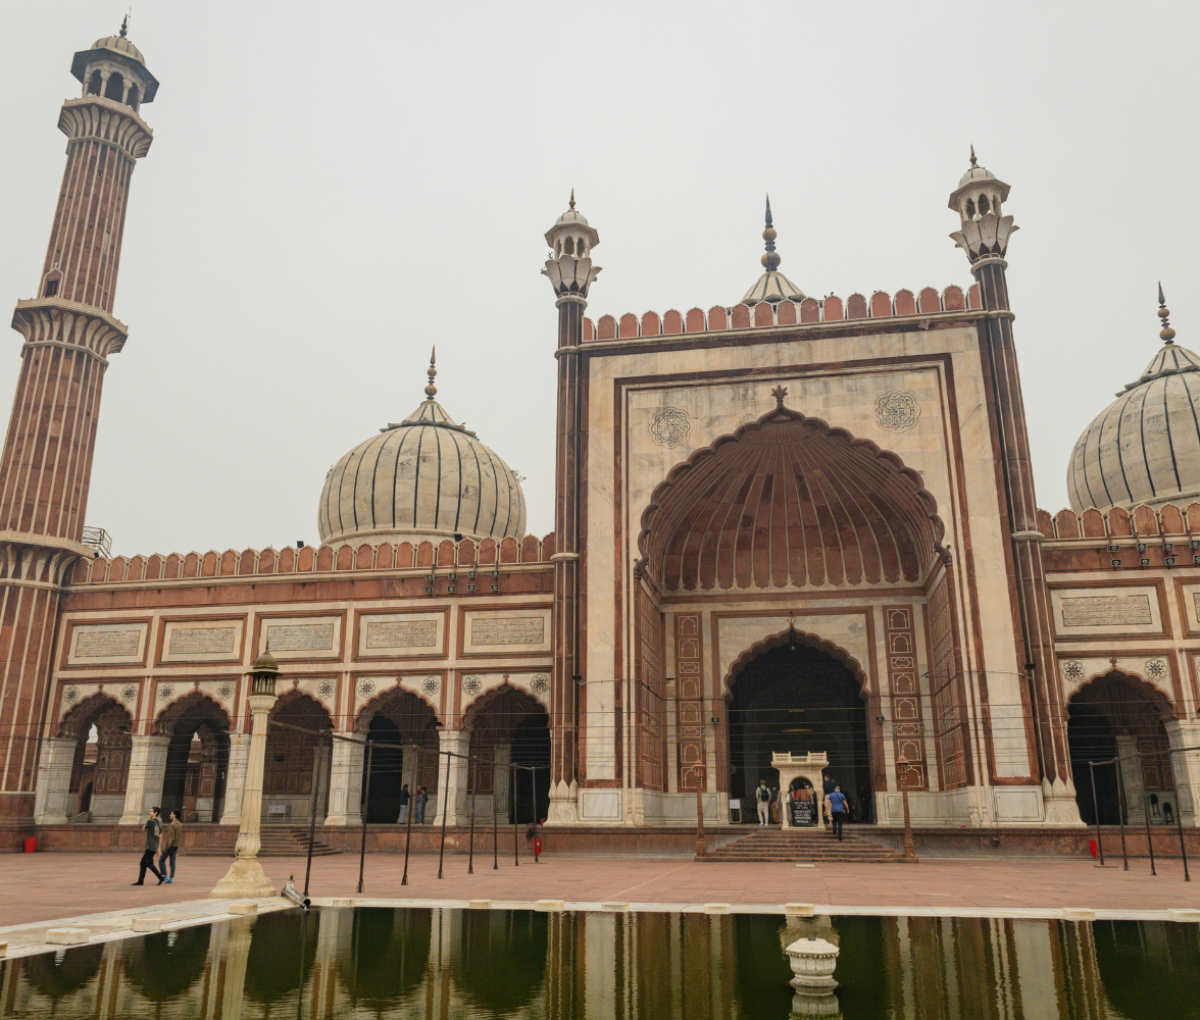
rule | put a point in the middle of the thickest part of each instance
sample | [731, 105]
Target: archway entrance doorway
[798, 699]
[197, 759]
[404, 731]
[1119, 716]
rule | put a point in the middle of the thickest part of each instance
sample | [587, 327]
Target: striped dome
[424, 478]
[1145, 446]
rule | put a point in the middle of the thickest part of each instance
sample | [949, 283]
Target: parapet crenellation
[1142, 521]
[466, 555]
[765, 315]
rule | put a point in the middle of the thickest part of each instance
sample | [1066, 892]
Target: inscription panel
[1085, 612]
[313, 637]
[399, 634]
[107, 643]
[202, 641]
[487, 633]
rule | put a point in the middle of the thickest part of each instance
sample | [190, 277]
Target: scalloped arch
[165, 721]
[1153, 694]
[790, 501]
[90, 706]
[483, 701]
[802, 638]
[362, 719]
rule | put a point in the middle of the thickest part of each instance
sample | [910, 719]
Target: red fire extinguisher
[537, 848]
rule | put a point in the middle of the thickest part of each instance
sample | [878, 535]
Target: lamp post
[910, 849]
[701, 839]
[246, 877]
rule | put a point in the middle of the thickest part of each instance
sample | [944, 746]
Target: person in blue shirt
[837, 810]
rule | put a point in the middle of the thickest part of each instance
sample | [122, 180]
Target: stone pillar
[245, 876]
[501, 778]
[1134, 781]
[53, 792]
[346, 780]
[147, 770]
[235, 778]
[1185, 767]
[452, 777]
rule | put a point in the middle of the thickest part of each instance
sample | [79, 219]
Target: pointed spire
[431, 390]
[572, 203]
[1168, 334]
[974, 161]
[770, 260]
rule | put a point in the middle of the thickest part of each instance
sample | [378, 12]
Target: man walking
[153, 827]
[422, 800]
[404, 798]
[763, 798]
[169, 845]
[837, 810]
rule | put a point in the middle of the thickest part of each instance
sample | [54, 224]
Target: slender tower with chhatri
[69, 332]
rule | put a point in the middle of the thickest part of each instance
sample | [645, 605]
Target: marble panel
[107, 643]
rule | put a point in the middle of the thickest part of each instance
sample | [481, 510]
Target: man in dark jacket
[153, 827]
[404, 798]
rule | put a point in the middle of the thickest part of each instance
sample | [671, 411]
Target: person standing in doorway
[762, 797]
[837, 810]
[404, 798]
[169, 845]
[775, 805]
[422, 800]
[153, 827]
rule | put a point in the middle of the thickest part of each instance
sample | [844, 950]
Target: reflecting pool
[375, 963]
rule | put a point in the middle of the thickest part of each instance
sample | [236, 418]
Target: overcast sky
[333, 188]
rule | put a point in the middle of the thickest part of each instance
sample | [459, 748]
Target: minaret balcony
[106, 120]
[57, 322]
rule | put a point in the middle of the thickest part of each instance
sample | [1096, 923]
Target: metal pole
[910, 848]
[312, 807]
[1146, 813]
[1121, 809]
[366, 807]
[701, 839]
[533, 791]
[1096, 809]
[1179, 823]
[495, 828]
[471, 845]
[442, 798]
[516, 837]
[412, 810]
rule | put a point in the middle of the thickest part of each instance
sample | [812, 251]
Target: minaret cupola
[115, 69]
[772, 286]
[977, 200]
[571, 241]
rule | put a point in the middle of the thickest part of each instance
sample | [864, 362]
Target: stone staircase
[277, 841]
[803, 846]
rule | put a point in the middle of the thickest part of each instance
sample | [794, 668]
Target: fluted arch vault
[789, 502]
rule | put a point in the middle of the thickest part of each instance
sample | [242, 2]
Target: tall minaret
[571, 273]
[69, 332]
[984, 237]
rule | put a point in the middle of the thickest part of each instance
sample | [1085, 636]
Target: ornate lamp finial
[572, 202]
[1168, 334]
[770, 260]
[124, 26]
[779, 392]
[974, 161]
[431, 390]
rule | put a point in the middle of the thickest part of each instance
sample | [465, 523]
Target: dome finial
[572, 202]
[124, 25]
[431, 390]
[974, 161]
[770, 260]
[1168, 334]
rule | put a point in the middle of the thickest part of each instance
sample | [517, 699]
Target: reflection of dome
[1145, 446]
[121, 45]
[425, 478]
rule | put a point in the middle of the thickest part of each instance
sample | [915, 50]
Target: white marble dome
[426, 478]
[1145, 446]
[119, 44]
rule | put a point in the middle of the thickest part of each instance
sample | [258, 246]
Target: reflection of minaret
[69, 331]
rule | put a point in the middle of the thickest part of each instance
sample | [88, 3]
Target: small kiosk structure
[801, 766]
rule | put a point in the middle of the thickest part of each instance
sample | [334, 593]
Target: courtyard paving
[44, 887]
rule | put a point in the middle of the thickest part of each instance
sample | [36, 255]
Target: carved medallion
[670, 426]
[430, 686]
[897, 411]
[540, 683]
[472, 685]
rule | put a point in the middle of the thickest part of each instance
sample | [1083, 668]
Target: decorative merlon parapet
[69, 324]
[765, 315]
[404, 556]
[106, 120]
[1121, 526]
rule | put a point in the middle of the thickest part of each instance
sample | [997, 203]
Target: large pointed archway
[796, 694]
[788, 501]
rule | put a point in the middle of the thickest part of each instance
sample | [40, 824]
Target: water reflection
[340, 964]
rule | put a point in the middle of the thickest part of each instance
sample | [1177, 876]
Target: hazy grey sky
[335, 187]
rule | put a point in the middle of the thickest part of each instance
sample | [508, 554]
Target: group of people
[801, 802]
[162, 839]
[418, 809]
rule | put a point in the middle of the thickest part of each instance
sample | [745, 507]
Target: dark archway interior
[197, 763]
[398, 722]
[797, 699]
[510, 718]
[1109, 707]
[531, 747]
[291, 754]
[386, 761]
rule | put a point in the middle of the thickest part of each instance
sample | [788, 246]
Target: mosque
[785, 525]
